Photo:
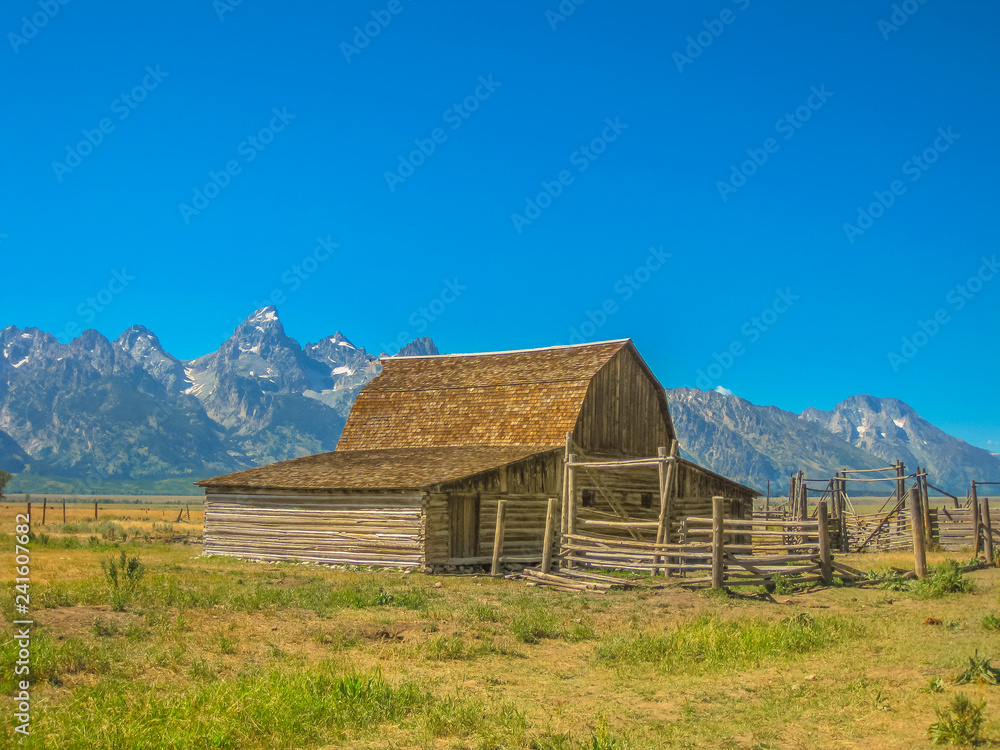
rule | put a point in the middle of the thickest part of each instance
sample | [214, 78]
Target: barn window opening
[589, 499]
[646, 498]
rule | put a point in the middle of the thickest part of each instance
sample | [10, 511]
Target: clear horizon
[793, 203]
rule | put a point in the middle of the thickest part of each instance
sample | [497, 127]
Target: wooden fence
[716, 550]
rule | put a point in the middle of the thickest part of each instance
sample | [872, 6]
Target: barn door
[464, 523]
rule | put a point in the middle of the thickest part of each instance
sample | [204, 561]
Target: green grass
[264, 709]
[710, 644]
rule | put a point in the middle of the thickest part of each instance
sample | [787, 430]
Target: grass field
[220, 653]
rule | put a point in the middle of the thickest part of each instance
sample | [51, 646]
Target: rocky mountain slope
[889, 429]
[96, 411]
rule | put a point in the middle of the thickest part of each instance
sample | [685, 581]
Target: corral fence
[953, 525]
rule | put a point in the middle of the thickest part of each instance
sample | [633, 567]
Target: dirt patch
[78, 621]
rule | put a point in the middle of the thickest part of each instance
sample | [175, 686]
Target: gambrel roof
[527, 397]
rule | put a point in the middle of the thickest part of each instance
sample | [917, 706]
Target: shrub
[946, 579]
[979, 671]
[960, 724]
[991, 622]
[123, 575]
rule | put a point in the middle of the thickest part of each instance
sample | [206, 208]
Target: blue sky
[793, 201]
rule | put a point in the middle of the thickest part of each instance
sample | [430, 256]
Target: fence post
[550, 521]
[926, 504]
[29, 514]
[917, 526]
[571, 499]
[667, 472]
[498, 536]
[95, 510]
[64, 511]
[825, 558]
[988, 530]
[45, 506]
[976, 520]
[718, 542]
[564, 519]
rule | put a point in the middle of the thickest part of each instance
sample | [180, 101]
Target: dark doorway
[464, 526]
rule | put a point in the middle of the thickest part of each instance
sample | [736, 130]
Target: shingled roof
[399, 469]
[531, 397]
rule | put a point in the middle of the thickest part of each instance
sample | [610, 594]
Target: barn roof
[394, 469]
[530, 397]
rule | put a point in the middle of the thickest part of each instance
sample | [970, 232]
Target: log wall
[359, 529]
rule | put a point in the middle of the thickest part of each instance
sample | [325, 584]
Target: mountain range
[126, 416]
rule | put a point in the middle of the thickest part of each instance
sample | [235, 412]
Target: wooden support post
[767, 500]
[900, 482]
[45, 507]
[672, 471]
[718, 542]
[845, 543]
[976, 520]
[564, 520]
[988, 530]
[550, 522]
[661, 526]
[95, 510]
[571, 517]
[64, 510]
[498, 536]
[925, 503]
[667, 472]
[571, 500]
[825, 556]
[917, 522]
[803, 501]
[29, 514]
[793, 495]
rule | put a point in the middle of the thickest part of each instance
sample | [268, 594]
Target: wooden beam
[917, 523]
[825, 557]
[976, 520]
[550, 521]
[718, 542]
[498, 537]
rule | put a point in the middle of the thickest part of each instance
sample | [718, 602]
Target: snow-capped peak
[341, 340]
[264, 315]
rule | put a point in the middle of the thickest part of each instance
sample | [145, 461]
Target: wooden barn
[433, 443]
